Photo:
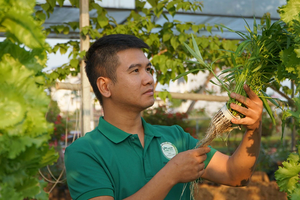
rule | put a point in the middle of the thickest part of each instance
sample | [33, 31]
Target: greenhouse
[149, 99]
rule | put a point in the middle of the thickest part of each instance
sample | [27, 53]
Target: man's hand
[188, 166]
[252, 113]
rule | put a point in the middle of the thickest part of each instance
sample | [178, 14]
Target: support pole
[85, 85]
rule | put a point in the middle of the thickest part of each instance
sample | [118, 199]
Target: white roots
[220, 124]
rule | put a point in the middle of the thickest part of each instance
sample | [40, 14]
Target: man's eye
[151, 70]
[136, 70]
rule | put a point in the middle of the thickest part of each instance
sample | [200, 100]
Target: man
[126, 158]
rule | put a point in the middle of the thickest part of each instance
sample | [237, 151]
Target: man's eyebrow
[138, 65]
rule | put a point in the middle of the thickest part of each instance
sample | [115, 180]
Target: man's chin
[149, 104]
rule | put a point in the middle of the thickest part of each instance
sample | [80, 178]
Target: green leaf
[213, 82]
[59, 28]
[63, 49]
[102, 20]
[49, 158]
[194, 54]
[40, 15]
[66, 30]
[42, 195]
[164, 95]
[45, 7]
[270, 99]
[208, 28]
[153, 3]
[24, 29]
[288, 176]
[290, 11]
[195, 45]
[51, 3]
[167, 36]
[74, 3]
[174, 42]
[296, 194]
[30, 187]
[74, 25]
[268, 109]
[297, 51]
[185, 73]
[60, 2]
[74, 63]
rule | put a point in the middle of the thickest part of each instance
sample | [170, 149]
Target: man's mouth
[149, 92]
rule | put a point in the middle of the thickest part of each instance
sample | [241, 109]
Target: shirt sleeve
[86, 177]
[192, 143]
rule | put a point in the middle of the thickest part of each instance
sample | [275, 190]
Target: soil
[259, 188]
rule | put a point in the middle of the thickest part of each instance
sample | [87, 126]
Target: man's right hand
[189, 165]
[184, 167]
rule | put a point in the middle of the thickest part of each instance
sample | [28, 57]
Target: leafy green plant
[287, 176]
[255, 62]
[24, 131]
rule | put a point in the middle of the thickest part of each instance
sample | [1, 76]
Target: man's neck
[128, 122]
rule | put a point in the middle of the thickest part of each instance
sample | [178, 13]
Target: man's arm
[184, 167]
[188, 166]
[236, 170]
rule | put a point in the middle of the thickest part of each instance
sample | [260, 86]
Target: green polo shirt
[110, 162]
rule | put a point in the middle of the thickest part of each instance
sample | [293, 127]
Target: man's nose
[147, 78]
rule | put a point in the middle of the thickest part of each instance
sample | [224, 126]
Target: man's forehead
[132, 57]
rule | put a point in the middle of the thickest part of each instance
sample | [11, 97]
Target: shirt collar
[116, 135]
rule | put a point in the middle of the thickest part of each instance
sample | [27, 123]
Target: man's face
[134, 86]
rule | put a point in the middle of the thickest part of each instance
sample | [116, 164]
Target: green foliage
[24, 131]
[290, 11]
[272, 154]
[287, 176]
[260, 60]
[166, 50]
[14, 20]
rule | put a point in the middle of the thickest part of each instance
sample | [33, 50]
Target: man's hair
[102, 59]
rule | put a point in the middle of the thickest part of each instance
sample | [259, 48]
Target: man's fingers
[202, 150]
[240, 109]
[242, 121]
[240, 98]
[250, 101]
[250, 93]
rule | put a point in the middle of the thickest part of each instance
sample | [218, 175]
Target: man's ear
[103, 84]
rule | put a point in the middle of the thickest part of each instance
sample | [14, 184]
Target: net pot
[220, 124]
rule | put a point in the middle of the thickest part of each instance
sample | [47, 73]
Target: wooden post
[85, 85]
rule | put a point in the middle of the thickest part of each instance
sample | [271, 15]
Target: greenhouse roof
[231, 13]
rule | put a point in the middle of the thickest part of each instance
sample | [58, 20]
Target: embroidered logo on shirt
[169, 150]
